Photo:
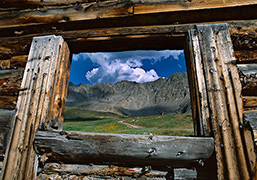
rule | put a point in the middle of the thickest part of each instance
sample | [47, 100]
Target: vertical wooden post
[218, 96]
[36, 101]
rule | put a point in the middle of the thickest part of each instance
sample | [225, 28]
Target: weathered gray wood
[81, 148]
[223, 96]
[34, 102]
[5, 125]
[247, 68]
[201, 111]
[250, 118]
[248, 78]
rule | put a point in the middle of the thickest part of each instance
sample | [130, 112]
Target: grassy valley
[93, 121]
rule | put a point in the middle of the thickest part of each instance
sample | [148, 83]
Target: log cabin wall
[101, 25]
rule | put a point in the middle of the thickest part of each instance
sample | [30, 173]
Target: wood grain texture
[5, 126]
[246, 56]
[94, 39]
[250, 101]
[135, 150]
[10, 81]
[223, 94]
[181, 11]
[201, 113]
[8, 102]
[176, 5]
[57, 115]
[33, 105]
[248, 78]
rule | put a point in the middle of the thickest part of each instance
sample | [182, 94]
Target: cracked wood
[133, 150]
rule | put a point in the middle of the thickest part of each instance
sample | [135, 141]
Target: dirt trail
[130, 125]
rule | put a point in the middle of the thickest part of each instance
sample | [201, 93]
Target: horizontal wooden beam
[246, 56]
[116, 14]
[8, 102]
[175, 4]
[111, 37]
[137, 150]
[248, 78]
[73, 11]
[250, 101]
[105, 171]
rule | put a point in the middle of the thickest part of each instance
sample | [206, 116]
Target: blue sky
[139, 66]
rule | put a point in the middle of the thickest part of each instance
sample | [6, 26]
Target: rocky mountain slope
[134, 99]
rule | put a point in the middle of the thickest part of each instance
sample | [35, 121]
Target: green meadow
[92, 121]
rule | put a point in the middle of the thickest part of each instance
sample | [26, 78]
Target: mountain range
[162, 96]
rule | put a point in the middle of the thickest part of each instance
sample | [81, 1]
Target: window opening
[131, 92]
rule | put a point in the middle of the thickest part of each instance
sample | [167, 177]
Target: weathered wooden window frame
[201, 52]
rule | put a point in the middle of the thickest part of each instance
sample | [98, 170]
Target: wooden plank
[8, 102]
[224, 101]
[245, 40]
[248, 69]
[250, 101]
[61, 91]
[177, 5]
[10, 82]
[131, 9]
[82, 148]
[15, 46]
[234, 102]
[5, 126]
[201, 113]
[16, 62]
[246, 56]
[114, 172]
[103, 171]
[248, 78]
[38, 82]
[19, 45]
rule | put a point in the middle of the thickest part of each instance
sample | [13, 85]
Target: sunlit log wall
[109, 25]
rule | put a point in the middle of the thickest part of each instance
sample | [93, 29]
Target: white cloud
[113, 67]
[117, 71]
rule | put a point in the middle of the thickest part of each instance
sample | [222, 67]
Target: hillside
[134, 99]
